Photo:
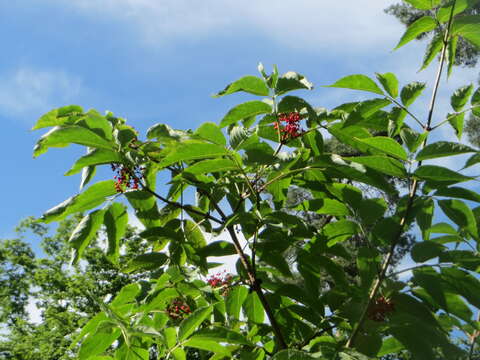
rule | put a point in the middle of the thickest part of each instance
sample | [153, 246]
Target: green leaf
[87, 174]
[384, 164]
[84, 232]
[166, 134]
[456, 121]
[411, 92]
[432, 51]
[389, 82]
[460, 6]
[253, 308]
[292, 354]
[218, 248]
[193, 321]
[439, 174]
[426, 250]
[146, 262]
[146, 210]
[247, 109]
[451, 53]
[460, 214]
[221, 334]
[95, 157]
[179, 354]
[463, 284]
[412, 139]
[424, 24]
[116, 221]
[313, 140]
[211, 166]
[385, 145]
[208, 345]
[259, 153]
[325, 207]
[191, 150]
[474, 159]
[73, 134]
[468, 27]
[250, 84]
[424, 208]
[96, 343]
[294, 103]
[211, 132]
[460, 97]
[126, 295]
[390, 346]
[97, 123]
[339, 231]
[423, 4]
[62, 116]
[458, 192]
[358, 82]
[194, 235]
[475, 102]
[367, 261]
[443, 228]
[90, 198]
[292, 81]
[442, 149]
[234, 301]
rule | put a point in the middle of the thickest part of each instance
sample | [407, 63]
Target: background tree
[66, 297]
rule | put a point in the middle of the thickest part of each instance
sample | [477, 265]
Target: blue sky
[159, 61]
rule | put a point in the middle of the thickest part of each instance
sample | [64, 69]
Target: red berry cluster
[126, 178]
[380, 309]
[178, 309]
[220, 280]
[291, 129]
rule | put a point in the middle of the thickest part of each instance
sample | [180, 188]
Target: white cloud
[339, 27]
[27, 91]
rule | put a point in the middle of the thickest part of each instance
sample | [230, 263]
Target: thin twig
[473, 339]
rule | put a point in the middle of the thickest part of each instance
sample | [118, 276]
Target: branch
[411, 196]
[254, 283]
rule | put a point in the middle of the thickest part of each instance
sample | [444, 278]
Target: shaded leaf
[84, 233]
[192, 322]
[116, 221]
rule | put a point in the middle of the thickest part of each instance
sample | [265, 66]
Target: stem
[411, 196]
[254, 283]
[417, 267]
[405, 109]
[453, 115]
[473, 339]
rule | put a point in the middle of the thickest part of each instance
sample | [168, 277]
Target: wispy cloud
[28, 91]
[341, 27]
